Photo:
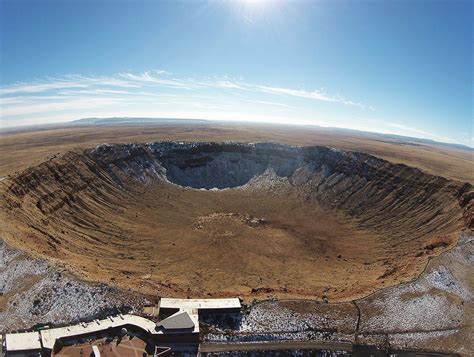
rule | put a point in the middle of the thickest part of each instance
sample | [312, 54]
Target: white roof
[233, 303]
[177, 321]
[49, 337]
[23, 341]
[193, 315]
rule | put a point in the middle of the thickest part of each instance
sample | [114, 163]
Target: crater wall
[145, 204]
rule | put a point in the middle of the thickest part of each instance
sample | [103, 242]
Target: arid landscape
[236, 178]
[271, 221]
[210, 215]
[24, 147]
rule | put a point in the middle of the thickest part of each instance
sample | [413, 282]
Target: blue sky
[402, 67]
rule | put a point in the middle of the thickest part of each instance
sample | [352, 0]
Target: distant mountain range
[401, 138]
[133, 120]
[172, 121]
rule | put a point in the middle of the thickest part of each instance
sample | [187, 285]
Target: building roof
[22, 341]
[180, 320]
[186, 318]
[233, 303]
[49, 337]
[193, 315]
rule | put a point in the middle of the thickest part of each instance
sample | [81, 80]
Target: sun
[254, 2]
[252, 5]
[253, 12]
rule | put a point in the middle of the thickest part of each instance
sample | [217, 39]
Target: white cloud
[39, 87]
[158, 93]
[157, 79]
[317, 95]
[269, 103]
[58, 105]
[147, 78]
[78, 91]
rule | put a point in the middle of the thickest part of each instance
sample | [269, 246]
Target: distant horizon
[230, 122]
[400, 68]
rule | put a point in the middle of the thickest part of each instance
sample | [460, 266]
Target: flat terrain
[26, 147]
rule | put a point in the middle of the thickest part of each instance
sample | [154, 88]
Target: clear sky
[402, 67]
